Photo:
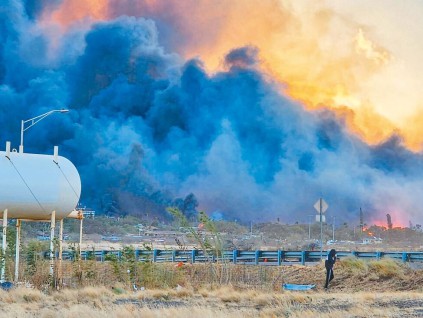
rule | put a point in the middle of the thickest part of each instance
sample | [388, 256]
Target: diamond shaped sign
[321, 203]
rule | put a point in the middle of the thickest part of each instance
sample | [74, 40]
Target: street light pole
[35, 120]
[21, 147]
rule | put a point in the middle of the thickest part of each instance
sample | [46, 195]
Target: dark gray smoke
[147, 127]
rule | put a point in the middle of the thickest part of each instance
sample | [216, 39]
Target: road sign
[323, 204]
[318, 218]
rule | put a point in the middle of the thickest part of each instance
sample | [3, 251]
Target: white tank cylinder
[32, 186]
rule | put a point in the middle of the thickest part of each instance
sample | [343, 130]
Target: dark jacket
[331, 259]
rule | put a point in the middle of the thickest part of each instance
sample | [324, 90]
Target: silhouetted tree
[187, 206]
[190, 206]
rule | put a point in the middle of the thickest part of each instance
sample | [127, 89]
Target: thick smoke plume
[147, 127]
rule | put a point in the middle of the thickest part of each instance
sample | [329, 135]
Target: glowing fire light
[350, 75]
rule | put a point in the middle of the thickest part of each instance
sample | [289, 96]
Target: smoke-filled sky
[257, 107]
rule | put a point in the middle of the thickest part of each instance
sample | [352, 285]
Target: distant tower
[388, 219]
[361, 220]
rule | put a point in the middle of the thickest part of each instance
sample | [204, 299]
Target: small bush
[354, 265]
[386, 268]
[118, 290]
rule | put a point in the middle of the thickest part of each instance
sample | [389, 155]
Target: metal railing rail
[257, 257]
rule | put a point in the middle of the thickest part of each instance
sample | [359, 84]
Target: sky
[257, 107]
[348, 55]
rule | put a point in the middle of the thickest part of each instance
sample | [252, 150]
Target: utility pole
[321, 207]
[309, 229]
[310, 218]
[321, 228]
[333, 229]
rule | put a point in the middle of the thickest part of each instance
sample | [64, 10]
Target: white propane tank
[32, 185]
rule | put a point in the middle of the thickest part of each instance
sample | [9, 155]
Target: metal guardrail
[258, 257]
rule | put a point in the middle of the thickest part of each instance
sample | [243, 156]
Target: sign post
[321, 206]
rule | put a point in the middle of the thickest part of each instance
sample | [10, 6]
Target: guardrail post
[256, 257]
[279, 257]
[103, 255]
[234, 256]
[155, 253]
[173, 256]
[303, 257]
[193, 253]
[378, 255]
[404, 257]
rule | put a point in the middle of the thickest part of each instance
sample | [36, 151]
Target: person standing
[329, 262]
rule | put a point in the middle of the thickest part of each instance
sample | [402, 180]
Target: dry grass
[351, 274]
[353, 265]
[358, 290]
[219, 302]
[387, 268]
[27, 295]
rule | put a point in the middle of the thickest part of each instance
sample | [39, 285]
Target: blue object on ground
[297, 287]
[6, 286]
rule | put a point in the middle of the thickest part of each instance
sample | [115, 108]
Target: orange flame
[320, 54]
[396, 221]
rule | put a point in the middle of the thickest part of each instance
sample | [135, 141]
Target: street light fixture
[35, 120]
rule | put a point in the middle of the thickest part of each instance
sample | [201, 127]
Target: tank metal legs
[52, 227]
[4, 246]
[17, 249]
